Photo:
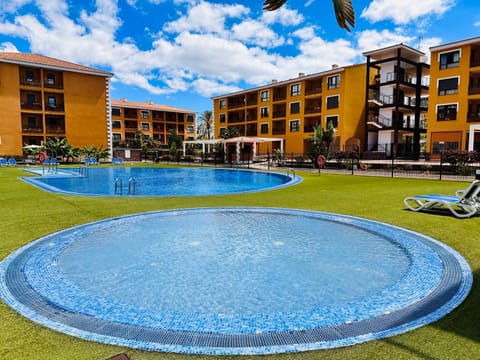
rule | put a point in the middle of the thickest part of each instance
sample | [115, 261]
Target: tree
[230, 132]
[321, 141]
[206, 123]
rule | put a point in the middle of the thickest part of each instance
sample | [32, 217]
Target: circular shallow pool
[234, 280]
[158, 181]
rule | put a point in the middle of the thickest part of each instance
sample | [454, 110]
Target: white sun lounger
[465, 204]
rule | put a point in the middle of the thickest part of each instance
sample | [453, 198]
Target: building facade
[156, 121]
[397, 101]
[454, 106]
[43, 97]
[291, 109]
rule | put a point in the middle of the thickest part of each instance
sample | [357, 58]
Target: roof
[475, 40]
[36, 60]
[391, 51]
[301, 76]
[147, 105]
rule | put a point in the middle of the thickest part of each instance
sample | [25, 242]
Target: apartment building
[291, 109]
[454, 111]
[43, 97]
[156, 121]
[397, 101]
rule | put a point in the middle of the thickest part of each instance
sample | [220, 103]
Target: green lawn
[28, 213]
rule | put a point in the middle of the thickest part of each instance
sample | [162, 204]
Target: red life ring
[321, 161]
[41, 157]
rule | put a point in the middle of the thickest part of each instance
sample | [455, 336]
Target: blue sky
[182, 52]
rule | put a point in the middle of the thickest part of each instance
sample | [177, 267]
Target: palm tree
[205, 127]
[343, 11]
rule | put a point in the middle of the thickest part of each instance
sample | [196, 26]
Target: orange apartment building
[454, 111]
[153, 120]
[43, 97]
[290, 109]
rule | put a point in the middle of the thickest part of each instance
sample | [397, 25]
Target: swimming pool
[155, 181]
[234, 280]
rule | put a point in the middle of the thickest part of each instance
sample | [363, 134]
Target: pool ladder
[132, 186]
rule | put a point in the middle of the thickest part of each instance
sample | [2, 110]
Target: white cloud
[283, 16]
[372, 39]
[405, 11]
[476, 24]
[8, 47]
[209, 87]
[256, 33]
[206, 17]
[11, 6]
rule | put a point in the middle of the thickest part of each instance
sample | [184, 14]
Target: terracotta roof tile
[148, 105]
[45, 61]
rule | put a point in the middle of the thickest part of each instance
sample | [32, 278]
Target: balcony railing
[59, 107]
[313, 109]
[55, 130]
[32, 129]
[30, 82]
[313, 91]
[31, 106]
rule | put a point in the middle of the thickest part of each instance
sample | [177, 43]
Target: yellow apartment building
[155, 121]
[454, 110]
[43, 97]
[290, 109]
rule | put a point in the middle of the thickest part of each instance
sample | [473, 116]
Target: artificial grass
[27, 213]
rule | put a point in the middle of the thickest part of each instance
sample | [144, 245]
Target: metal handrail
[118, 183]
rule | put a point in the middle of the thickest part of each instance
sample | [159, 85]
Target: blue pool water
[156, 181]
[234, 280]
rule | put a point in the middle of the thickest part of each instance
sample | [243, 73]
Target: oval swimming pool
[156, 181]
[234, 280]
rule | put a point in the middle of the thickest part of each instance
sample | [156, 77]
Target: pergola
[239, 141]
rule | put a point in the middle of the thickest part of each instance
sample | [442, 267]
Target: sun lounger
[465, 204]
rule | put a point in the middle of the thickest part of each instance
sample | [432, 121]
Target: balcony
[278, 128]
[58, 129]
[313, 109]
[32, 129]
[472, 117]
[54, 108]
[34, 106]
[30, 82]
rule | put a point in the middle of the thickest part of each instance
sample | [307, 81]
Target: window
[222, 118]
[332, 102]
[264, 128]
[222, 103]
[295, 108]
[116, 111]
[144, 114]
[190, 117]
[332, 121]
[265, 95]
[145, 126]
[222, 131]
[190, 128]
[264, 112]
[29, 75]
[116, 137]
[294, 125]
[116, 124]
[449, 60]
[30, 99]
[50, 79]
[52, 102]
[295, 89]
[439, 147]
[333, 82]
[448, 86]
[32, 122]
[447, 112]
